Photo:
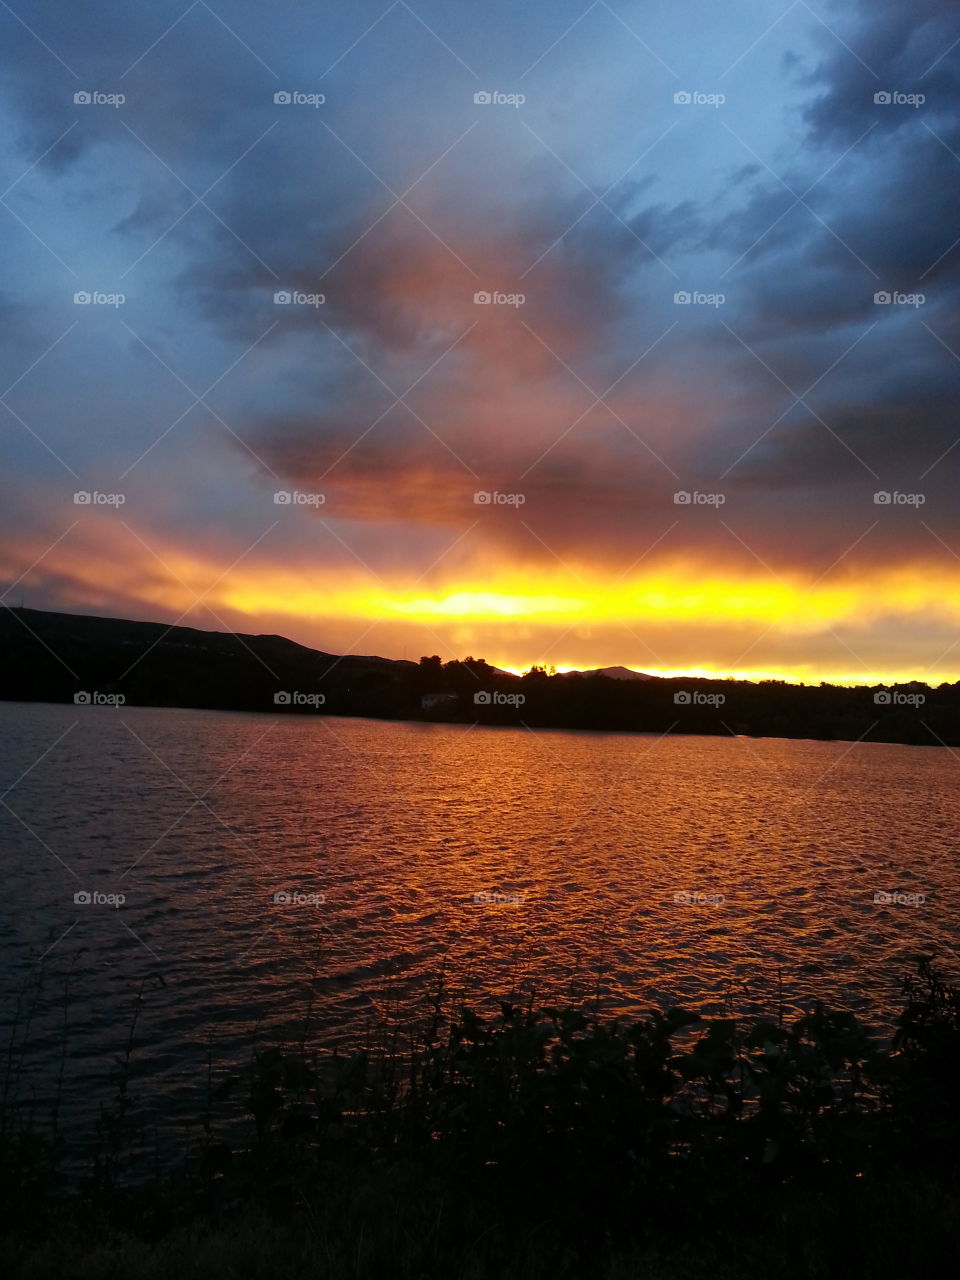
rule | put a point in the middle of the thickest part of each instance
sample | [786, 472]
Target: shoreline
[433, 721]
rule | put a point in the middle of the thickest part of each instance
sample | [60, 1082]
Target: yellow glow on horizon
[478, 605]
[681, 596]
[653, 598]
[800, 675]
[574, 618]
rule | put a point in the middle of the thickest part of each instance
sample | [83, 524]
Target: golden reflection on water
[624, 870]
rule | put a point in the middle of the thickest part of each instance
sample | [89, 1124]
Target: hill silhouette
[62, 657]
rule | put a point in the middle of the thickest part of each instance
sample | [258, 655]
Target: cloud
[596, 397]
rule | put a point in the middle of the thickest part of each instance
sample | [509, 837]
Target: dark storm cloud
[114, 47]
[801, 296]
[692, 397]
[892, 46]
[893, 227]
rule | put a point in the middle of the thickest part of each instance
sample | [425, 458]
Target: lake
[238, 870]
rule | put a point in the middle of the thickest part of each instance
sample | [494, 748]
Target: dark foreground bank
[530, 1144]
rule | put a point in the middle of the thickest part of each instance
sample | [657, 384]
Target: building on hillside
[440, 704]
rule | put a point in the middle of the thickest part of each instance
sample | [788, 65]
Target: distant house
[439, 702]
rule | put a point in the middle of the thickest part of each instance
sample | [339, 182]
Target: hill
[614, 673]
[91, 661]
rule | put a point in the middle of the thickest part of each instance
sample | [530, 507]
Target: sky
[566, 333]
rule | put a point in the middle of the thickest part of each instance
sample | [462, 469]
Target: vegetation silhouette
[553, 1140]
[53, 657]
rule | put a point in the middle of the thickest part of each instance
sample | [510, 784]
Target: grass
[537, 1142]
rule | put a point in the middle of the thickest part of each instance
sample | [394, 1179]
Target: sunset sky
[783, 398]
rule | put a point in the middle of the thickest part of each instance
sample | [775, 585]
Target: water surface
[584, 843]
